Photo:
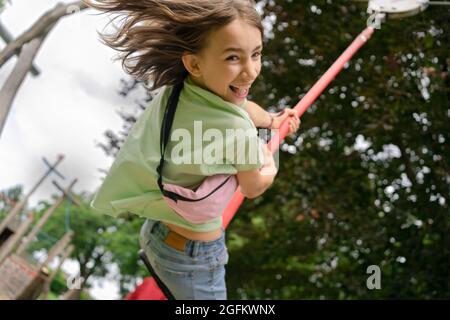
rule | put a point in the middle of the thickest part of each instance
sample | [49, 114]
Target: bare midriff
[196, 236]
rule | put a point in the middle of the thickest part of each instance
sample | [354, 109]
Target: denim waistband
[161, 231]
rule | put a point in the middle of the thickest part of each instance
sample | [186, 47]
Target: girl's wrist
[271, 116]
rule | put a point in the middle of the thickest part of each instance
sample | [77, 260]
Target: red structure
[147, 290]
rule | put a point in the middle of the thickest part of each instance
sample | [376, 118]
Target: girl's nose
[251, 70]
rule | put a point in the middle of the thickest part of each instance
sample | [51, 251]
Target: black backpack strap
[157, 279]
[166, 127]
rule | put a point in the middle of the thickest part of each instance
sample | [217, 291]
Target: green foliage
[8, 198]
[59, 284]
[85, 296]
[3, 3]
[335, 207]
[52, 296]
[100, 241]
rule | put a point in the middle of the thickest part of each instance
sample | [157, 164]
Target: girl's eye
[232, 58]
[235, 58]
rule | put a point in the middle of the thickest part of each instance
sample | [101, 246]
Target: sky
[65, 110]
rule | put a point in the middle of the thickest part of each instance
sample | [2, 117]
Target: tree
[100, 242]
[8, 198]
[342, 206]
[366, 181]
[28, 44]
[115, 140]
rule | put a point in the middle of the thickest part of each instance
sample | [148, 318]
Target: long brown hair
[156, 33]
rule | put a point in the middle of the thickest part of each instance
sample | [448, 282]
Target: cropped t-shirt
[209, 136]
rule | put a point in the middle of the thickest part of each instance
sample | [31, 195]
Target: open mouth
[240, 92]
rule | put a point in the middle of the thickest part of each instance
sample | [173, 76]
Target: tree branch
[33, 38]
[14, 81]
[39, 28]
[90, 271]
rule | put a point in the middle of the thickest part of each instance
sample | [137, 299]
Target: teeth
[240, 90]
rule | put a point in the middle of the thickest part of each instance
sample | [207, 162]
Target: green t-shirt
[204, 131]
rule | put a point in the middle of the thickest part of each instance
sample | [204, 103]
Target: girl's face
[230, 63]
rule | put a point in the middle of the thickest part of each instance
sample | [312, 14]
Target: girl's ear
[191, 63]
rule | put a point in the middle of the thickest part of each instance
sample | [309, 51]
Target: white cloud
[64, 110]
[105, 290]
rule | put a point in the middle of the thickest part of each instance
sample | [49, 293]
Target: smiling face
[230, 62]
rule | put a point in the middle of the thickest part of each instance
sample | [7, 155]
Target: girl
[202, 56]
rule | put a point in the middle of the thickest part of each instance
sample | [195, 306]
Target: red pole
[301, 107]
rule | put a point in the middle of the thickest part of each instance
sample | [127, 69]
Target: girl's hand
[294, 121]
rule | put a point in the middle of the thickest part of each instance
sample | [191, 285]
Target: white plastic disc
[398, 8]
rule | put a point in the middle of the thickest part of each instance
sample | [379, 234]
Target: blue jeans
[198, 272]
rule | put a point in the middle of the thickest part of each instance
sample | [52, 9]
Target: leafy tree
[100, 242]
[8, 198]
[339, 206]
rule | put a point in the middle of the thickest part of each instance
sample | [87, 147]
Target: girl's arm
[260, 117]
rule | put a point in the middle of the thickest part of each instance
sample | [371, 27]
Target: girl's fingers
[293, 127]
[294, 121]
[295, 124]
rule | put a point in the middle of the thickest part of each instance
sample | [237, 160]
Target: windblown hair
[156, 33]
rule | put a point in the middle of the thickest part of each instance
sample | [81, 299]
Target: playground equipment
[21, 278]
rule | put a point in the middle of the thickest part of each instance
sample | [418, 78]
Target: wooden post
[57, 248]
[11, 243]
[20, 204]
[44, 219]
[16, 78]
[71, 294]
[41, 27]
[7, 37]
[29, 43]
[52, 276]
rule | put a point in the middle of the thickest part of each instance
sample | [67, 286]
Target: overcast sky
[64, 110]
